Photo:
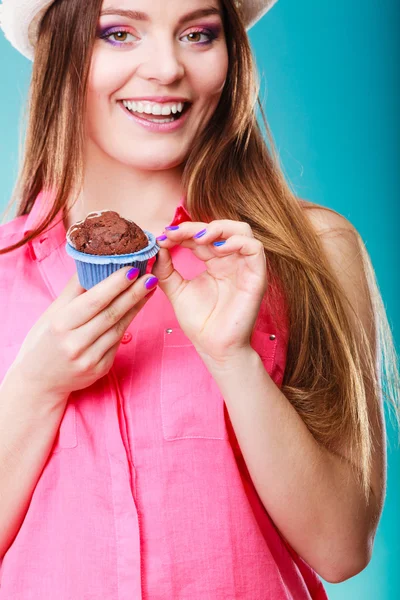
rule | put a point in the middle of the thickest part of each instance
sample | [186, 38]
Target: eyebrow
[141, 16]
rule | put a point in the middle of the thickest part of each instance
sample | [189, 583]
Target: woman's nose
[163, 62]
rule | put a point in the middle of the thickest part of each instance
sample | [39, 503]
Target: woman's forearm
[28, 426]
[310, 494]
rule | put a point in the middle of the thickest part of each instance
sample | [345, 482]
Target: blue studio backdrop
[330, 89]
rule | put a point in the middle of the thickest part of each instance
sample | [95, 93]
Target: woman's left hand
[217, 309]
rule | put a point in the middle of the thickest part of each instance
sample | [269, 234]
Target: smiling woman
[126, 67]
[221, 434]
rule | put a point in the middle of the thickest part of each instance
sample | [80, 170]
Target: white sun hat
[20, 19]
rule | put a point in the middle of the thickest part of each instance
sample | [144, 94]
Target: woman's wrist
[242, 358]
[30, 394]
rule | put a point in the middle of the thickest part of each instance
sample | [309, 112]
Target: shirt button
[168, 330]
[272, 337]
[126, 337]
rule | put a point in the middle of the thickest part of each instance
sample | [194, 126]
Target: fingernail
[161, 238]
[219, 243]
[172, 227]
[151, 282]
[132, 273]
[200, 233]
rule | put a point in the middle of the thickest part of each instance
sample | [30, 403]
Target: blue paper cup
[93, 268]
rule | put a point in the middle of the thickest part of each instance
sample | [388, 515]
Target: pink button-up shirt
[145, 494]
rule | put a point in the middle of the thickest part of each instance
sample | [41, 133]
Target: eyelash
[109, 32]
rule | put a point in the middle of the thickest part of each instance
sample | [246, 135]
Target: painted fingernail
[219, 243]
[161, 238]
[132, 273]
[200, 233]
[151, 282]
[172, 227]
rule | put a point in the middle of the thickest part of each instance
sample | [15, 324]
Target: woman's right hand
[75, 340]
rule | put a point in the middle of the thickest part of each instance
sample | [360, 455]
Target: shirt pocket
[66, 435]
[192, 405]
[266, 345]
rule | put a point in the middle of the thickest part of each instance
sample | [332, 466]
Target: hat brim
[20, 20]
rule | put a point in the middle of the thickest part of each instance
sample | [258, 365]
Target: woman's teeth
[156, 110]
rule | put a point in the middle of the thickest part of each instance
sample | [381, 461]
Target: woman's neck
[149, 198]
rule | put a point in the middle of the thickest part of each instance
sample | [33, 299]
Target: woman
[213, 429]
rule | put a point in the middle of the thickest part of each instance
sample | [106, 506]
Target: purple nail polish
[221, 243]
[200, 233]
[172, 227]
[132, 273]
[151, 282]
[161, 238]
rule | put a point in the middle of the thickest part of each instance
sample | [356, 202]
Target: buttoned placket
[52, 263]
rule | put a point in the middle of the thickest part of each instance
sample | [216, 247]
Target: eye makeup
[211, 31]
[107, 32]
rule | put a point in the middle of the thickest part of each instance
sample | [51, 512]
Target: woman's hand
[75, 340]
[218, 308]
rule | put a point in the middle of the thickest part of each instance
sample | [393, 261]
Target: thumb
[72, 290]
[169, 280]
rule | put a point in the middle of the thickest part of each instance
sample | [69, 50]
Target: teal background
[330, 87]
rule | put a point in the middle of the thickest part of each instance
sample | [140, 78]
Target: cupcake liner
[93, 268]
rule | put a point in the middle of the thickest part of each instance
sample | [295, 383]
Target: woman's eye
[120, 37]
[195, 34]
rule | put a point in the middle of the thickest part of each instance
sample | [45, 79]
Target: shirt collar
[38, 212]
[55, 234]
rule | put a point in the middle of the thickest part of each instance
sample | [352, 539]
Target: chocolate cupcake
[104, 242]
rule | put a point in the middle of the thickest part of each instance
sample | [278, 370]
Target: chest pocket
[66, 436]
[191, 404]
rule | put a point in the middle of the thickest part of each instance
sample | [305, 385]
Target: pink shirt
[145, 494]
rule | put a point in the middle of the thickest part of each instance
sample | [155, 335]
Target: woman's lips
[158, 127]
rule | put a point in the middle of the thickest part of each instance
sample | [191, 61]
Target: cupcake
[104, 242]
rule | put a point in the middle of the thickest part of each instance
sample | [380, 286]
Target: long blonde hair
[230, 173]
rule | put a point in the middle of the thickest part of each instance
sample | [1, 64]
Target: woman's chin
[152, 162]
